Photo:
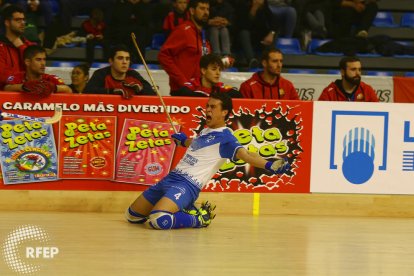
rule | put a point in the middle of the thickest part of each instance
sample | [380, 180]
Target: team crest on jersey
[11, 78]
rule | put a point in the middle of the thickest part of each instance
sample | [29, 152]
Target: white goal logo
[15, 243]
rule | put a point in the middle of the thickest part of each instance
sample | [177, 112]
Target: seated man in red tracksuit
[350, 88]
[210, 67]
[269, 84]
[118, 78]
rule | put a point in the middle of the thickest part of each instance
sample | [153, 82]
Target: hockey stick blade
[54, 119]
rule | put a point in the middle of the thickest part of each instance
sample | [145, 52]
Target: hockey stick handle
[152, 81]
[23, 117]
[56, 117]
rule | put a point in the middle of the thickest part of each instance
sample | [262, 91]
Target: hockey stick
[54, 119]
[152, 81]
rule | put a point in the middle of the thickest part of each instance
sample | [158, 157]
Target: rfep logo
[25, 244]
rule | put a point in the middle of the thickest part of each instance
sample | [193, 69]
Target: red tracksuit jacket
[193, 88]
[11, 59]
[257, 88]
[180, 54]
[334, 92]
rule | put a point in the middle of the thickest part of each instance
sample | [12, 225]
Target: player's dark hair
[266, 53]
[194, 3]
[213, 59]
[33, 50]
[226, 102]
[118, 48]
[343, 62]
[84, 68]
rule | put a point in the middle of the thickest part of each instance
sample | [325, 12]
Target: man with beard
[211, 66]
[180, 54]
[12, 44]
[269, 84]
[350, 88]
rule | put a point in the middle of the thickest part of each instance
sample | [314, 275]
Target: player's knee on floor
[134, 217]
[161, 220]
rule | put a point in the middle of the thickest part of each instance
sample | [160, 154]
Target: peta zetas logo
[25, 246]
[359, 141]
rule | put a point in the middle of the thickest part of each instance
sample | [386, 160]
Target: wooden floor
[104, 244]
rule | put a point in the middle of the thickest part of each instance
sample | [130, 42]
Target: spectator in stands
[314, 19]
[38, 16]
[12, 43]
[269, 84]
[221, 18]
[284, 17]
[70, 8]
[177, 16]
[130, 16]
[94, 28]
[252, 26]
[180, 55]
[350, 87]
[210, 67]
[79, 77]
[3, 4]
[35, 65]
[354, 17]
[118, 78]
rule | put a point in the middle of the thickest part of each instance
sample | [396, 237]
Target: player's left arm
[278, 166]
[13, 87]
[63, 88]
[250, 157]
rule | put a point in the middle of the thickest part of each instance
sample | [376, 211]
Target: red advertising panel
[87, 147]
[145, 152]
[273, 129]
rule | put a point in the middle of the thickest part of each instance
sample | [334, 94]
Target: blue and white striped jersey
[208, 151]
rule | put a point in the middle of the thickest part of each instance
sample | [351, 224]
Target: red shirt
[173, 19]
[20, 78]
[11, 59]
[92, 29]
[257, 88]
[193, 88]
[334, 92]
[181, 52]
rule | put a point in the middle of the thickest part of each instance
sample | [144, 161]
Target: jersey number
[177, 196]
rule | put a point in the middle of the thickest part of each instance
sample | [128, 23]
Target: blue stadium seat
[302, 71]
[256, 69]
[55, 6]
[384, 19]
[56, 63]
[157, 40]
[231, 69]
[368, 55]
[407, 20]
[333, 72]
[99, 64]
[315, 43]
[290, 46]
[150, 66]
[409, 74]
[379, 73]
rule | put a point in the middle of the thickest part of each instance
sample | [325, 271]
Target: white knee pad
[134, 217]
[161, 220]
